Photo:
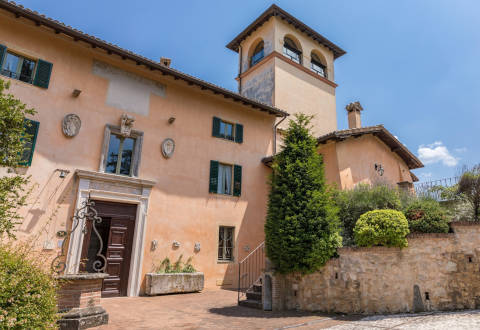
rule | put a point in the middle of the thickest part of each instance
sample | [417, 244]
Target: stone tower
[284, 63]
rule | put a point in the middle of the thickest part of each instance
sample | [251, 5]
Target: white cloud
[460, 150]
[436, 153]
[426, 175]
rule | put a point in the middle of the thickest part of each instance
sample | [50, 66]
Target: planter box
[173, 283]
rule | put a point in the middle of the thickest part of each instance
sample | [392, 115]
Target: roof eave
[274, 10]
[76, 35]
[410, 159]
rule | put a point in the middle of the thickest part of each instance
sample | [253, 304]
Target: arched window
[257, 54]
[291, 50]
[317, 66]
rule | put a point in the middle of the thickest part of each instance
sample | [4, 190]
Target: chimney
[165, 61]
[354, 120]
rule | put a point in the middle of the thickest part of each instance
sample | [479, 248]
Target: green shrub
[426, 216]
[27, 291]
[363, 198]
[177, 267]
[302, 228]
[381, 227]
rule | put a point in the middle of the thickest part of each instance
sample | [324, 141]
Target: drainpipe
[240, 70]
[275, 135]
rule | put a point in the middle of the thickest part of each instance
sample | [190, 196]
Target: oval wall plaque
[168, 147]
[71, 125]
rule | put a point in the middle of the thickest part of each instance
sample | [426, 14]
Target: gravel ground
[424, 321]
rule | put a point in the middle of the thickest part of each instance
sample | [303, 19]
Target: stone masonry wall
[435, 272]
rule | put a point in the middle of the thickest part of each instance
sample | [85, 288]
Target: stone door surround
[113, 188]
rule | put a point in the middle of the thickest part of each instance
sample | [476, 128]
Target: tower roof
[274, 10]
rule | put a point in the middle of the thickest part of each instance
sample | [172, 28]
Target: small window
[36, 72]
[291, 50]
[225, 243]
[317, 66]
[18, 67]
[226, 130]
[121, 154]
[257, 54]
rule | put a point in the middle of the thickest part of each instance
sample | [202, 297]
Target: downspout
[275, 135]
[240, 52]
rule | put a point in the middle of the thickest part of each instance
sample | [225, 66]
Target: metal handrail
[261, 244]
[250, 269]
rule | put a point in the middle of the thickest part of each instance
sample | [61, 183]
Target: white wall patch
[127, 91]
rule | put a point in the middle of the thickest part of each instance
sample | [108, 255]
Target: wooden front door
[116, 229]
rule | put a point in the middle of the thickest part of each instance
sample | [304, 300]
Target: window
[31, 130]
[257, 54]
[224, 179]
[225, 243]
[229, 131]
[291, 51]
[317, 66]
[226, 130]
[18, 67]
[121, 154]
[221, 176]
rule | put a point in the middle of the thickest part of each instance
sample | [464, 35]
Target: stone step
[251, 303]
[257, 288]
[252, 295]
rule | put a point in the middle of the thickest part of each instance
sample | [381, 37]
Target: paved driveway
[218, 310]
[206, 310]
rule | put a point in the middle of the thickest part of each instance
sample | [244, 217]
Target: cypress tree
[302, 227]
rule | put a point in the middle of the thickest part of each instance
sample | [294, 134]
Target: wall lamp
[63, 173]
[171, 120]
[76, 93]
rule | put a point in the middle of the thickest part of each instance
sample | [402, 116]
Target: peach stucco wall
[180, 207]
[353, 160]
[298, 92]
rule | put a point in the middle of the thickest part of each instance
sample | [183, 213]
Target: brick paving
[211, 309]
[217, 309]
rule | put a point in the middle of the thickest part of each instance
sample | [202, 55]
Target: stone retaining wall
[435, 272]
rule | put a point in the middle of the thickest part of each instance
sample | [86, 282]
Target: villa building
[176, 165]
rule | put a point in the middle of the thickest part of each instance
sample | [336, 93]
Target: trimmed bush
[302, 228]
[381, 227]
[27, 292]
[426, 216]
[363, 198]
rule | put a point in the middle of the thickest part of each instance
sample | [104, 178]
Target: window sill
[17, 80]
[224, 195]
[225, 261]
[225, 139]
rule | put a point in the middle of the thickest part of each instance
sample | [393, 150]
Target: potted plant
[179, 277]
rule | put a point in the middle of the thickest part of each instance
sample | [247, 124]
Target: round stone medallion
[71, 125]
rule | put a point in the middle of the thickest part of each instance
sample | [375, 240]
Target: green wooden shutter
[3, 51]
[213, 176]
[42, 75]
[237, 180]
[31, 128]
[238, 133]
[216, 127]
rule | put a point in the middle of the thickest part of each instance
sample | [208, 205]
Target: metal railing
[250, 269]
[430, 188]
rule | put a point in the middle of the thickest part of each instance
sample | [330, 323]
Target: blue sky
[414, 65]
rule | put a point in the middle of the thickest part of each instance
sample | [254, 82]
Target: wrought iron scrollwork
[86, 212]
